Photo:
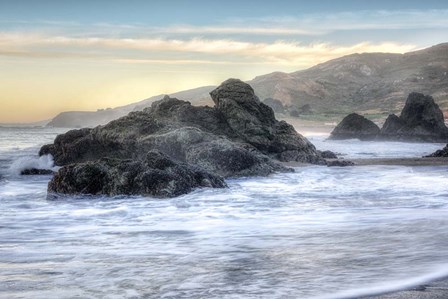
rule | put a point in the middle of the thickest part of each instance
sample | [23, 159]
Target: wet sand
[402, 162]
[385, 161]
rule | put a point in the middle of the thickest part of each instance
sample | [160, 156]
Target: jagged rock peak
[234, 89]
[421, 109]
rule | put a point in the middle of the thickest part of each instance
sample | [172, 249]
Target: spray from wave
[30, 162]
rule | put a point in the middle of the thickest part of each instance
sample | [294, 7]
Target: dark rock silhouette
[155, 175]
[238, 137]
[421, 120]
[355, 126]
[440, 153]
[390, 127]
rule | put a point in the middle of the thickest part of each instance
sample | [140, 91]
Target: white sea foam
[346, 231]
[29, 162]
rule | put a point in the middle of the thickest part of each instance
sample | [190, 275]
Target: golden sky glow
[50, 66]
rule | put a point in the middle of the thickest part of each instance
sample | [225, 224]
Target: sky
[90, 54]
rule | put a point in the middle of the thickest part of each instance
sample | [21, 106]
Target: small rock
[328, 155]
[440, 153]
[355, 126]
[35, 171]
[340, 163]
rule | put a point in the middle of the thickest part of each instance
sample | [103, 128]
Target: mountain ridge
[362, 82]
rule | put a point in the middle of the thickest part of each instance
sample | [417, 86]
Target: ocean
[321, 232]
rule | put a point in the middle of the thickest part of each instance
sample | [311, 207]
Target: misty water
[317, 233]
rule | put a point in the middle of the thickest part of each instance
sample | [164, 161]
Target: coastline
[432, 161]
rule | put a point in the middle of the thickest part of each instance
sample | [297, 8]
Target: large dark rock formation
[421, 120]
[155, 175]
[355, 126]
[440, 153]
[238, 137]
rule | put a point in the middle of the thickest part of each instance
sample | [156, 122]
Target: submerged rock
[355, 126]
[156, 175]
[421, 120]
[238, 137]
[443, 153]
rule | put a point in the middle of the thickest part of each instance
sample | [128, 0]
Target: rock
[390, 127]
[421, 120]
[275, 104]
[156, 175]
[440, 153]
[328, 155]
[294, 113]
[238, 137]
[305, 109]
[35, 171]
[355, 126]
[340, 163]
[255, 123]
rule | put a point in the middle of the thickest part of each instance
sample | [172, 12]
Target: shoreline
[436, 289]
[431, 161]
[424, 161]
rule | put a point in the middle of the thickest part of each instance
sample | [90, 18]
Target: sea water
[317, 233]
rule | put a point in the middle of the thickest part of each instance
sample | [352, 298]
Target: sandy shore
[433, 290]
[402, 161]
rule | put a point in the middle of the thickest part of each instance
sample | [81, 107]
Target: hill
[368, 83]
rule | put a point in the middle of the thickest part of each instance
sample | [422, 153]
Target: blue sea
[321, 232]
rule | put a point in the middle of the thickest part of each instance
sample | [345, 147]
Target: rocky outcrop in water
[421, 120]
[238, 137]
[154, 175]
[443, 153]
[355, 126]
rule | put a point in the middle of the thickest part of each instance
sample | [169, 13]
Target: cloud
[316, 24]
[171, 51]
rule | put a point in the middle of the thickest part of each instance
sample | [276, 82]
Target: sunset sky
[83, 55]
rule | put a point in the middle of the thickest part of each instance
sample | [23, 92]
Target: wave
[29, 162]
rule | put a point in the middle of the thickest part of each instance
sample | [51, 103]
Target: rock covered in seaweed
[155, 175]
[355, 126]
